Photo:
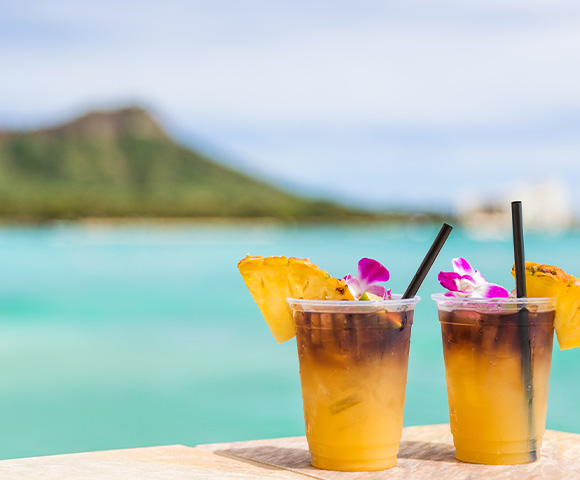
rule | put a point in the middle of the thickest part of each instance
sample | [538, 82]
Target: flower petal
[454, 282]
[478, 278]
[354, 286]
[371, 271]
[491, 290]
[378, 290]
[466, 284]
[449, 280]
[463, 267]
[461, 294]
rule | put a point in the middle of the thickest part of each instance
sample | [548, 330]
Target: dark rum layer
[496, 333]
[353, 337]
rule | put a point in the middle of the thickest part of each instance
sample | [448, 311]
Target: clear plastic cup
[353, 370]
[497, 356]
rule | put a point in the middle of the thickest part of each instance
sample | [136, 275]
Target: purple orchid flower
[465, 281]
[369, 273]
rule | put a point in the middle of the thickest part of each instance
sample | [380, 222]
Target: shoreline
[392, 219]
[404, 220]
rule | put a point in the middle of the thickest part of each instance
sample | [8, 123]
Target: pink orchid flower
[369, 273]
[465, 281]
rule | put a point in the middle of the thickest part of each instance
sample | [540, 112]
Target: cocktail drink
[353, 341]
[497, 354]
[353, 369]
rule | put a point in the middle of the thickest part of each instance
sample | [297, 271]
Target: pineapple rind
[271, 280]
[550, 281]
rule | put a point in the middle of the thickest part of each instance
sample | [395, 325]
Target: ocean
[118, 336]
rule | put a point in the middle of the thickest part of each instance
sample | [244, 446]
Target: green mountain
[121, 164]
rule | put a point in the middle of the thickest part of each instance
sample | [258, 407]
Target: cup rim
[395, 304]
[543, 303]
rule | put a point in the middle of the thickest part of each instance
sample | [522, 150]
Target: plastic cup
[353, 369]
[497, 356]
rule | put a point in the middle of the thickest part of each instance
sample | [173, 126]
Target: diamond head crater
[122, 163]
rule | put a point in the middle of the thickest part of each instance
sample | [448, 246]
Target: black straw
[519, 257]
[523, 317]
[428, 261]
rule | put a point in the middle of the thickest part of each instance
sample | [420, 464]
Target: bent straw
[524, 333]
[428, 261]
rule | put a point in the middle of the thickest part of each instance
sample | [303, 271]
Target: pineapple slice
[550, 281]
[273, 279]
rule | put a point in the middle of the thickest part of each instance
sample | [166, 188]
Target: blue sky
[379, 103]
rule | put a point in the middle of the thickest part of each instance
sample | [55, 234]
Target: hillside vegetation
[122, 164]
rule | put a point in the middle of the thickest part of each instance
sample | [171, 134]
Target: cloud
[444, 65]
[445, 88]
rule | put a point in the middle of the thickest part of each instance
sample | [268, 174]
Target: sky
[416, 104]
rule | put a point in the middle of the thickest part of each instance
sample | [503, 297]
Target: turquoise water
[114, 337]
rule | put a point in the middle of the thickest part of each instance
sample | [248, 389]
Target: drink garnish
[550, 281]
[370, 272]
[467, 282]
[271, 280]
[371, 297]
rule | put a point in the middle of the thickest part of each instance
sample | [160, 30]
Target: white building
[546, 206]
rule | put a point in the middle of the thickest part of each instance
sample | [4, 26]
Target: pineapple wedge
[272, 279]
[550, 281]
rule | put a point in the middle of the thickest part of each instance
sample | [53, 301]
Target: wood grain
[174, 462]
[426, 452]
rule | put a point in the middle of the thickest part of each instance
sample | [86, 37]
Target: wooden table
[426, 452]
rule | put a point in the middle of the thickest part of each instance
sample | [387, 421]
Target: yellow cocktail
[353, 369]
[497, 362]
